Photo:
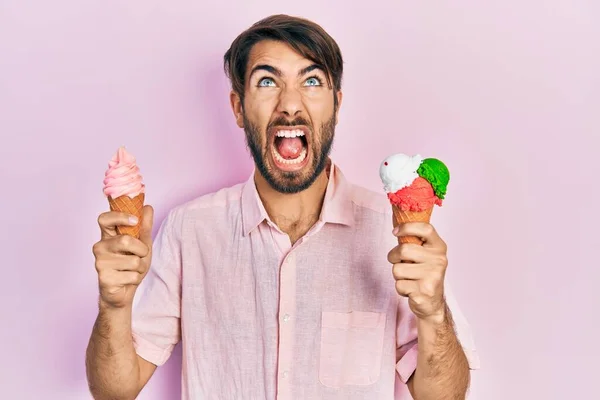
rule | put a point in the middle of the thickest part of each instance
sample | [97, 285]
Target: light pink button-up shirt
[261, 319]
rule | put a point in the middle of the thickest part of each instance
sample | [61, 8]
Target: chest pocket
[351, 348]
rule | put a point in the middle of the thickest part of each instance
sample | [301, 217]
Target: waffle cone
[410, 216]
[133, 206]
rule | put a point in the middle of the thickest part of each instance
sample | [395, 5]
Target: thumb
[146, 228]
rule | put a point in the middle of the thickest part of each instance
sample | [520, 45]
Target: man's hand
[442, 369]
[420, 270]
[113, 368]
[122, 261]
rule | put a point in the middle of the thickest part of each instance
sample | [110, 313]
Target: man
[291, 285]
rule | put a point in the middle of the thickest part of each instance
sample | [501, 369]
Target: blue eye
[266, 82]
[313, 81]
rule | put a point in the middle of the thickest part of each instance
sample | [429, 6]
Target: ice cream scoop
[124, 189]
[437, 174]
[399, 171]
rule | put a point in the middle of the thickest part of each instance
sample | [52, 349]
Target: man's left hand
[419, 270]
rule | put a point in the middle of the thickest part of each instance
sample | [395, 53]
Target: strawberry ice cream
[124, 189]
[122, 178]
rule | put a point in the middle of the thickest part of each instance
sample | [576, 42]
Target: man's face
[288, 116]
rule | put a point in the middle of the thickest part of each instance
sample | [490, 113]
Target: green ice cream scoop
[436, 173]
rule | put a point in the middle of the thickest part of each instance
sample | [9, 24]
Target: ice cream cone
[410, 216]
[133, 206]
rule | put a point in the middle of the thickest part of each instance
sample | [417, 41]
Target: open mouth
[290, 148]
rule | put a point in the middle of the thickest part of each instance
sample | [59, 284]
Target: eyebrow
[310, 68]
[277, 72]
[265, 67]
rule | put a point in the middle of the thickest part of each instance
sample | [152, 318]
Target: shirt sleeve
[406, 334]
[156, 316]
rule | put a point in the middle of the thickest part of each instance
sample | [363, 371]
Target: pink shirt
[261, 319]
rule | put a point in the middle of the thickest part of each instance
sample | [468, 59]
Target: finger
[114, 279]
[407, 288]
[405, 271]
[131, 277]
[146, 228]
[109, 221]
[121, 262]
[407, 252]
[127, 245]
[423, 230]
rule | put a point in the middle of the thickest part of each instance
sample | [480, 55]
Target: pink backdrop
[506, 93]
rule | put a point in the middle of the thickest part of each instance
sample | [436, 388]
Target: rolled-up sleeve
[407, 343]
[406, 340]
[156, 325]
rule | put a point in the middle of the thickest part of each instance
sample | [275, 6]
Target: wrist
[107, 307]
[436, 319]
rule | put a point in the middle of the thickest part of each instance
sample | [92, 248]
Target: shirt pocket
[351, 348]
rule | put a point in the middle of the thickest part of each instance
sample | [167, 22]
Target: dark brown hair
[306, 37]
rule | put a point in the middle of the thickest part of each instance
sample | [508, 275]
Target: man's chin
[288, 182]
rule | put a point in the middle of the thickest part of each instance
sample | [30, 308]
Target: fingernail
[396, 229]
[133, 220]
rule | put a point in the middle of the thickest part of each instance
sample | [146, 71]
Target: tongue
[289, 148]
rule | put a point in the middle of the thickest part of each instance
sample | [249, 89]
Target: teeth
[290, 134]
[282, 160]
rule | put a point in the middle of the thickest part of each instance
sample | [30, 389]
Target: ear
[339, 105]
[237, 108]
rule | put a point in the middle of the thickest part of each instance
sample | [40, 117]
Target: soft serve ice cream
[124, 188]
[122, 178]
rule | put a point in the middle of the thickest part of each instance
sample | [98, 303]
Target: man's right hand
[122, 261]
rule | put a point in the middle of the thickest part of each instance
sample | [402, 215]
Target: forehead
[277, 54]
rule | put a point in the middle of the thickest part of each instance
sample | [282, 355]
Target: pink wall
[507, 94]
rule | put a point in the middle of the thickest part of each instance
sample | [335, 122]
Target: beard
[286, 181]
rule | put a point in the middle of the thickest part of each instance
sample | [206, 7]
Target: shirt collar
[337, 205]
[253, 211]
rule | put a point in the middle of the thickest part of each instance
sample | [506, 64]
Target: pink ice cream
[123, 176]
[419, 196]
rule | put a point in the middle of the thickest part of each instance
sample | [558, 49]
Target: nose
[290, 102]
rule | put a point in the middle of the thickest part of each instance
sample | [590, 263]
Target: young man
[292, 284]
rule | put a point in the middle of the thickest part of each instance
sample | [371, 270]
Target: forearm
[111, 361]
[442, 367]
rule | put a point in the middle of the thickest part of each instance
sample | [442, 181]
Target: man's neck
[294, 213]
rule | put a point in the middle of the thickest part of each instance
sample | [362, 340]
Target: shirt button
[285, 374]
[286, 318]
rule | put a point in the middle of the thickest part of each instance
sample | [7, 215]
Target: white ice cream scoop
[399, 171]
